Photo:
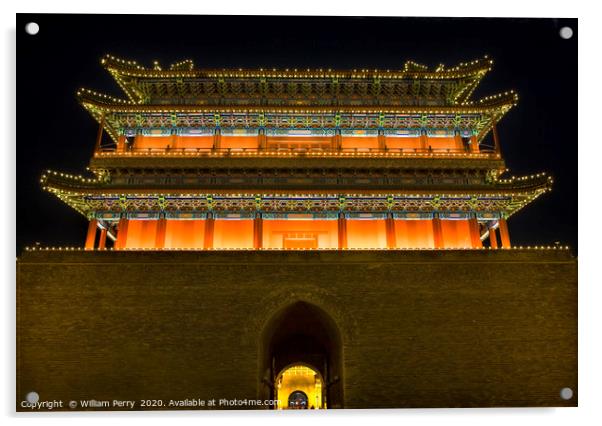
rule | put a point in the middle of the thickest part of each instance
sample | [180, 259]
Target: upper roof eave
[493, 107]
[127, 73]
[410, 70]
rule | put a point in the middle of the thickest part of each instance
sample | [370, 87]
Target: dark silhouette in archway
[302, 333]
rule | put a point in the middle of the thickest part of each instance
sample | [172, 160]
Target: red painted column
[102, 242]
[121, 143]
[257, 232]
[382, 142]
[262, 140]
[424, 144]
[337, 141]
[474, 144]
[475, 233]
[504, 235]
[458, 142]
[160, 237]
[209, 227]
[342, 231]
[390, 227]
[91, 237]
[217, 140]
[493, 238]
[437, 233]
[122, 233]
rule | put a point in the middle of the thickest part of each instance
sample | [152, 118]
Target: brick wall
[418, 328]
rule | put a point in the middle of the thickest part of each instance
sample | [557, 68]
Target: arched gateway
[301, 347]
[299, 386]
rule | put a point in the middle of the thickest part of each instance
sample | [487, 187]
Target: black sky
[54, 132]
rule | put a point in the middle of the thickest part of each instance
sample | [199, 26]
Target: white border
[590, 355]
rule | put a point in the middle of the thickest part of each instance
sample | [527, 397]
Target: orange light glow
[445, 143]
[313, 143]
[153, 142]
[403, 143]
[164, 142]
[359, 143]
[184, 233]
[369, 233]
[300, 234]
[414, 234]
[141, 234]
[456, 233]
[239, 142]
[230, 234]
[188, 142]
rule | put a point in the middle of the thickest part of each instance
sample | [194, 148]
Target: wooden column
[475, 232]
[390, 227]
[91, 237]
[342, 231]
[209, 227]
[504, 235]
[337, 140]
[133, 145]
[160, 236]
[493, 238]
[424, 144]
[102, 242]
[257, 231]
[262, 142]
[173, 140]
[474, 144]
[217, 139]
[122, 233]
[382, 141]
[121, 143]
[437, 233]
[458, 141]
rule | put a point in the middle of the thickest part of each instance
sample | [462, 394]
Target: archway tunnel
[302, 338]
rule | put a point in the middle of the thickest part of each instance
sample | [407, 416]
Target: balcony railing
[298, 152]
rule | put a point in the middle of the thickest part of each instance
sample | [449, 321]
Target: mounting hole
[32, 28]
[566, 32]
[32, 397]
[566, 393]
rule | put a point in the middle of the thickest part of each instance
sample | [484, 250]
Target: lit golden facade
[296, 159]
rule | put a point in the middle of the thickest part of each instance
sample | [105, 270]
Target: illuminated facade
[374, 267]
[296, 159]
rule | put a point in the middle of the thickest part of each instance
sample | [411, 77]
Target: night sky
[54, 132]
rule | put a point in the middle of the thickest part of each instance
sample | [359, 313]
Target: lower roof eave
[298, 162]
[183, 191]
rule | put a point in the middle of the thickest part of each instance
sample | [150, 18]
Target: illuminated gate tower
[296, 159]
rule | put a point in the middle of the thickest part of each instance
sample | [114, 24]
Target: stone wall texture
[418, 328]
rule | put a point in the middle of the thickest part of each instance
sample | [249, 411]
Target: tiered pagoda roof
[184, 96]
[200, 193]
[325, 102]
